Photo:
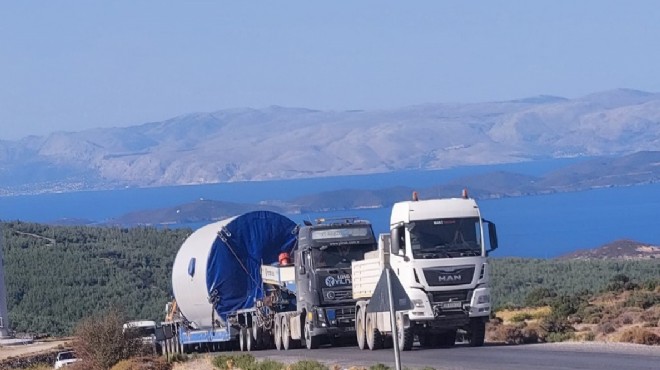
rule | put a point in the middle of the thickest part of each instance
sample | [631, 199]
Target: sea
[539, 226]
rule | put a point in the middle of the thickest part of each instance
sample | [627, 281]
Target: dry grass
[201, 363]
[509, 316]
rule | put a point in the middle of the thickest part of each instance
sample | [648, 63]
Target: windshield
[330, 256]
[66, 356]
[445, 238]
[141, 331]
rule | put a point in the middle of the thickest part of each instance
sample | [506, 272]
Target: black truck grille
[448, 296]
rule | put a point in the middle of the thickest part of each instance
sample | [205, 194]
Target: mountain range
[633, 169]
[285, 143]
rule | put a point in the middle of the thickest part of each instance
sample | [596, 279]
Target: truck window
[445, 238]
[331, 256]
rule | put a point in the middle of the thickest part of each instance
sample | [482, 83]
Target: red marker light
[415, 197]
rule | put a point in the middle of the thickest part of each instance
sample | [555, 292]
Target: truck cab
[439, 250]
[323, 256]
[146, 331]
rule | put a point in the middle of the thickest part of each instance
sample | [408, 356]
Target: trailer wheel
[374, 337]
[250, 340]
[258, 336]
[286, 334]
[277, 335]
[311, 341]
[477, 332]
[242, 340]
[405, 336]
[360, 331]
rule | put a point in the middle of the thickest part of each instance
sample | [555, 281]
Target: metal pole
[395, 331]
[4, 319]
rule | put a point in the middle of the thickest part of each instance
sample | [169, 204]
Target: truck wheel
[258, 336]
[477, 332]
[242, 340]
[405, 336]
[447, 338]
[277, 335]
[425, 339]
[250, 340]
[311, 342]
[360, 331]
[286, 334]
[374, 338]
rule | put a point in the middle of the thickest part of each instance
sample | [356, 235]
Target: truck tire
[286, 334]
[425, 340]
[258, 335]
[277, 334]
[311, 341]
[374, 338]
[477, 332]
[405, 336]
[242, 340]
[250, 340]
[447, 338]
[360, 330]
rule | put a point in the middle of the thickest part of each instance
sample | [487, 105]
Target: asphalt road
[600, 356]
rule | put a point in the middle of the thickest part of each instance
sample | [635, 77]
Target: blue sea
[530, 226]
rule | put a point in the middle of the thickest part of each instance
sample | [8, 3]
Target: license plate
[451, 305]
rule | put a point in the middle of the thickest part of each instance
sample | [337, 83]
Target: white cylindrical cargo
[217, 268]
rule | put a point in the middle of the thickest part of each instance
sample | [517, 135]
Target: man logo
[445, 278]
[330, 281]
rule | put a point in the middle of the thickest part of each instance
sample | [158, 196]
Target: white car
[65, 359]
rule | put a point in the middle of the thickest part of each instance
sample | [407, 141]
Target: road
[597, 356]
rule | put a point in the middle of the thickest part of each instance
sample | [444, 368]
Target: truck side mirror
[394, 241]
[492, 236]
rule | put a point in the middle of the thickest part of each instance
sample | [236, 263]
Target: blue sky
[73, 65]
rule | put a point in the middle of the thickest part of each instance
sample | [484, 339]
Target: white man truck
[438, 249]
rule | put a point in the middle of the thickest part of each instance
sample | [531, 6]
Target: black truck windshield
[445, 238]
[333, 256]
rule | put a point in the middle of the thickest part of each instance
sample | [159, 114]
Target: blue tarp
[251, 239]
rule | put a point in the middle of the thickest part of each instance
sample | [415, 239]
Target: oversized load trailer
[438, 249]
[259, 280]
[217, 272]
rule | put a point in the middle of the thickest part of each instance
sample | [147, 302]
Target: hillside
[284, 143]
[620, 249]
[81, 270]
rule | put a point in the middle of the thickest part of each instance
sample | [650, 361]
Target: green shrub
[642, 299]
[307, 365]
[243, 361]
[268, 364]
[539, 297]
[559, 337]
[379, 366]
[522, 316]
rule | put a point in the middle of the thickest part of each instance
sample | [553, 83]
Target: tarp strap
[224, 235]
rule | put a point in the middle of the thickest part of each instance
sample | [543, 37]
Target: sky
[74, 65]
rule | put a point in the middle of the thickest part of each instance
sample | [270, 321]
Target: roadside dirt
[30, 349]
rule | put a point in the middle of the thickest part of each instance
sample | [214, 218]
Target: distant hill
[633, 169]
[620, 249]
[284, 143]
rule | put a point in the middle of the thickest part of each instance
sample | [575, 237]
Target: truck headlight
[485, 298]
[418, 303]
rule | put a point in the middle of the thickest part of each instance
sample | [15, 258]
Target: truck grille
[457, 275]
[341, 316]
[447, 296]
[330, 295]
